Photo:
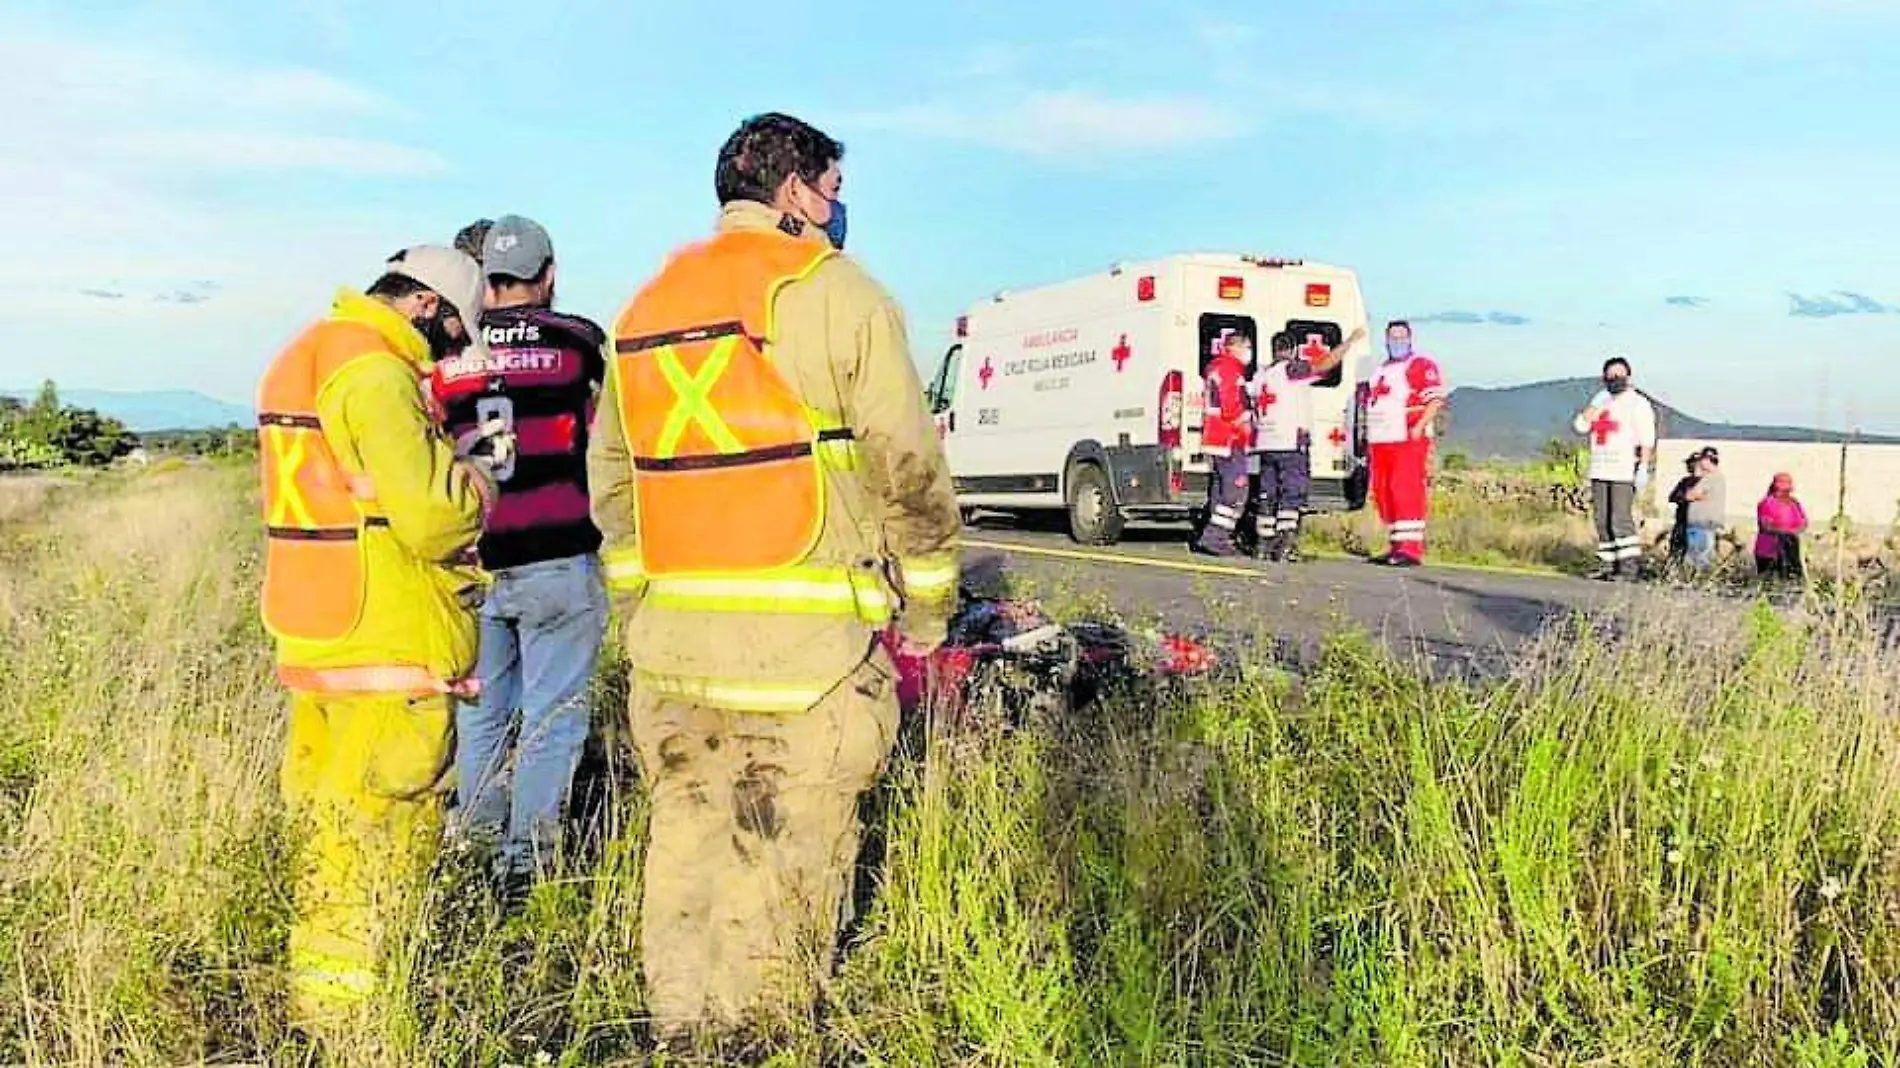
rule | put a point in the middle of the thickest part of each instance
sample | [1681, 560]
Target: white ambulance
[1086, 395]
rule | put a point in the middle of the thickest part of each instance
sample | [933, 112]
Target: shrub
[73, 435]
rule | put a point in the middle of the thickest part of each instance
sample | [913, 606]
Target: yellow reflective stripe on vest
[690, 403]
[737, 695]
[930, 577]
[797, 590]
[288, 508]
[623, 569]
[837, 454]
[376, 678]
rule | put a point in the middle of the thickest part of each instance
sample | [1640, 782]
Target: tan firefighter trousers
[753, 840]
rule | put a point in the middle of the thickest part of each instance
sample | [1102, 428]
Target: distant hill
[165, 409]
[1514, 422]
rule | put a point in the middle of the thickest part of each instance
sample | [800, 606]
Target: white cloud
[1071, 123]
[1223, 33]
[80, 75]
[135, 162]
[310, 90]
[243, 150]
[192, 190]
[108, 109]
[989, 61]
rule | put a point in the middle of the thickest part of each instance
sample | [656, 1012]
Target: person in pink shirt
[1781, 521]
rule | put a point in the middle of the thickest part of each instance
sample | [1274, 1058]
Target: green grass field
[1678, 845]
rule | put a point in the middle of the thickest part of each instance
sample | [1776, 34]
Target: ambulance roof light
[1271, 261]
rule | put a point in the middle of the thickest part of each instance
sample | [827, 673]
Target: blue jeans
[1700, 548]
[541, 631]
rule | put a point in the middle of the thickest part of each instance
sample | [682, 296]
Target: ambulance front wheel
[1094, 518]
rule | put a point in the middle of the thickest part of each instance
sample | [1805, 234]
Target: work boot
[1215, 542]
[1628, 571]
[1268, 548]
[1290, 545]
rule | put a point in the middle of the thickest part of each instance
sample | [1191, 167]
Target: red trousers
[1400, 491]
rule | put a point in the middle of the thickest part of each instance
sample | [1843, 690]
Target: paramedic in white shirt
[1282, 394]
[1620, 425]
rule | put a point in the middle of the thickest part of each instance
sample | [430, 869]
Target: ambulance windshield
[942, 393]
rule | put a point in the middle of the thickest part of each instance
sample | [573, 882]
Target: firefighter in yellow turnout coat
[366, 508]
[772, 494]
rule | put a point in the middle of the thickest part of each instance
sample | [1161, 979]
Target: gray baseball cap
[516, 248]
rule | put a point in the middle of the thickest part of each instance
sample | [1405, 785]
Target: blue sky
[1710, 187]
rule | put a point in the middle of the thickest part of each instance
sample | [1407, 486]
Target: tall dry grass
[1481, 518]
[25, 496]
[1665, 839]
[139, 895]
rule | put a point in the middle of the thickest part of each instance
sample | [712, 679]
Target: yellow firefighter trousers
[362, 775]
[753, 843]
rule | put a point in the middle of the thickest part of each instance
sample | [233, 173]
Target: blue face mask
[1398, 350]
[835, 228]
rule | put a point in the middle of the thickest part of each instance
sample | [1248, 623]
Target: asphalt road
[1452, 618]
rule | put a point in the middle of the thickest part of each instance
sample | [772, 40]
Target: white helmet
[451, 274]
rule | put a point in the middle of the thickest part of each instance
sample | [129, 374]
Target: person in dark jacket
[1679, 497]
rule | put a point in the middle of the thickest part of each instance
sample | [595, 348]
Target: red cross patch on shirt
[1604, 427]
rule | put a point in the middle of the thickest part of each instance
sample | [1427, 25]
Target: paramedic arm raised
[905, 470]
[434, 502]
[610, 492]
[1581, 424]
[1323, 365]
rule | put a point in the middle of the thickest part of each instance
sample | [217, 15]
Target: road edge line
[1231, 570]
[1088, 556]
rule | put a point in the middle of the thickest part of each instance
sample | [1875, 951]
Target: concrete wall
[1872, 482]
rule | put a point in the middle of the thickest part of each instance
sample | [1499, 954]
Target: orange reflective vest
[314, 576]
[728, 479]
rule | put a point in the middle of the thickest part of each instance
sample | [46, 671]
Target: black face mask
[435, 330]
[1616, 385]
